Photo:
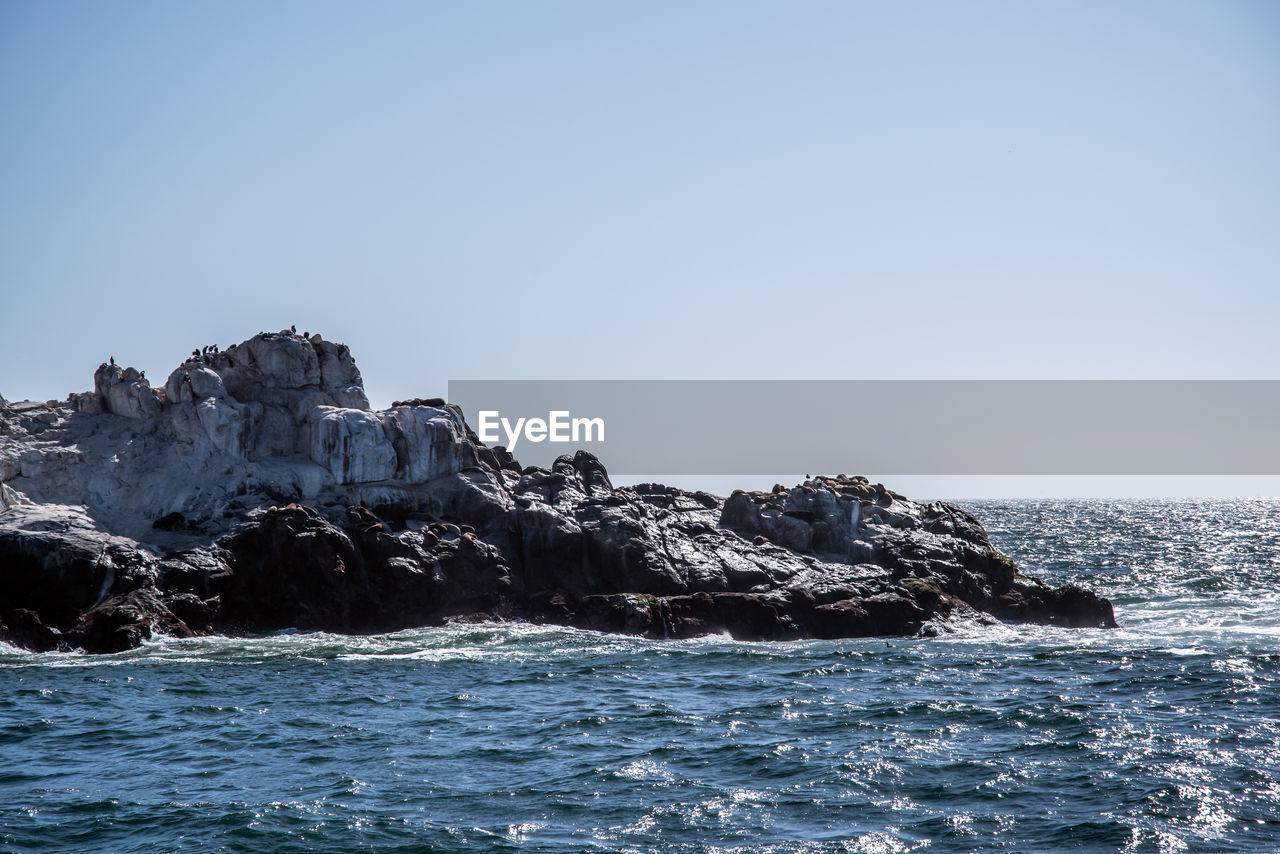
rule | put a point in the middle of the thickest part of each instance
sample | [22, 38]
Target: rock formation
[257, 491]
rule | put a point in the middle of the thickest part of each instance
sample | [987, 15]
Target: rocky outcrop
[123, 391]
[256, 491]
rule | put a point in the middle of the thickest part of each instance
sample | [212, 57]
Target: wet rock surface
[256, 491]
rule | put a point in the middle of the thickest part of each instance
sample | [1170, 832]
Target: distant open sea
[1161, 736]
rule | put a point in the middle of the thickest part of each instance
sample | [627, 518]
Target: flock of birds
[207, 351]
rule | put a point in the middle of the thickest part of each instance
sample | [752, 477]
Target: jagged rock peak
[279, 415]
[281, 360]
[258, 369]
[122, 391]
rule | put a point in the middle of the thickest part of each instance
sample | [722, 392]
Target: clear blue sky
[643, 190]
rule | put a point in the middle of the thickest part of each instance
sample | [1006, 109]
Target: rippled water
[1161, 736]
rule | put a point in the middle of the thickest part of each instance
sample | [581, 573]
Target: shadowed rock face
[256, 491]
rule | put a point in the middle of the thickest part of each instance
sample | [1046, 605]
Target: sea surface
[1162, 736]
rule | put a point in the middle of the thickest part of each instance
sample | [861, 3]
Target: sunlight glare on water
[1161, 736]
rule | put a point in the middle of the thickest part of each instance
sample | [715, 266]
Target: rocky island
[256, 491]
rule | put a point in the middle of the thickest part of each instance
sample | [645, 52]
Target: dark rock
[59, 573]
[744, 616]
[122, 622]
[294, 568]
[22, 627]
[170, 521]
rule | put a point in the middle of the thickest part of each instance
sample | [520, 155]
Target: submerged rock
[256, 491]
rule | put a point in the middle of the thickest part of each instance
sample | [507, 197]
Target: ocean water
[1162, 736]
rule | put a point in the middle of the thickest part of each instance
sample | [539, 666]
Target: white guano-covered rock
[301, 432]
[429, 442]
[125, 391]
[275, 361]
[227, 425]
[273, 367]
[336, 365]
[190, 383]
[11, 497]
[352, 444]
